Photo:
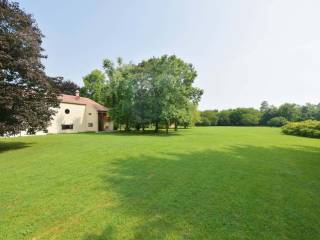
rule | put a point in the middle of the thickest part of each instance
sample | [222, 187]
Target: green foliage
[264, 106]
[268, 115]
[310, 111]
[190, 116]
[277, 122]
[308, 128]
[94, 86]
[208, 118]
[250, 119]
[156, 91]
[224, 118]
[244, 117]
[290, 111]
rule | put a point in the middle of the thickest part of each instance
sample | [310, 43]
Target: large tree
[27, 95]
[157, 91]
[94, 86]
[171, 90]
[290, 111]
[120, 91]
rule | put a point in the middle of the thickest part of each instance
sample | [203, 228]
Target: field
[200, 183]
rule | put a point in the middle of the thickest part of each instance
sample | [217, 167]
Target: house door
[101, 121]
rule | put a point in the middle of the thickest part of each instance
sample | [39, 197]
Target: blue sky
[244, 51]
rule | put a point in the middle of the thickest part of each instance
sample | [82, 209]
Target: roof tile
[81, 101]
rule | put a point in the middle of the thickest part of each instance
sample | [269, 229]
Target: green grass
[201, 183]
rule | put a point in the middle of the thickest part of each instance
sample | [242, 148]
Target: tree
[264, 106]
[68, 87]
[310, 111]
[209, 118]
[171, 88]
[27, 94]
[244, 117]
[155, 91]
[290, 111]
[224, 118]
[189, 117]
[94, 86]
[250, 119]
[268, 114]
[120, 91]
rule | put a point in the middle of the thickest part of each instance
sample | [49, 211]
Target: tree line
[157, 92]
[267, 115]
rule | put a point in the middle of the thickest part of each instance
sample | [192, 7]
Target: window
[67, 111]
[90, 114]
[90, 124]
[67, 126]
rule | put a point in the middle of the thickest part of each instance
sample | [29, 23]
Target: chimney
[77, 93]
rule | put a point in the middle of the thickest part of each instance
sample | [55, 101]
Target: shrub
[277, 122]
[309, 128]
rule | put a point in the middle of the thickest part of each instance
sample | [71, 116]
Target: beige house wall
[79, 116]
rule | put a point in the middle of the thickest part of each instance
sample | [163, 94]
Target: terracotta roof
[81, 101]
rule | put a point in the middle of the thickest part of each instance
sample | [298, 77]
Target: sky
[244, 51]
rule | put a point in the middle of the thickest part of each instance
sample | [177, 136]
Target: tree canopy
[27, 94]
[68, 87]
[94, 84]
[268, 115]
[155, 91]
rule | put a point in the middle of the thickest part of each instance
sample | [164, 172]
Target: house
[77, 114]
[80, 114]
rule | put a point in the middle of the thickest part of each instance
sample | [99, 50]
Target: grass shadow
[10, 146]
[244, 192]
[148, 133]
[105, 235]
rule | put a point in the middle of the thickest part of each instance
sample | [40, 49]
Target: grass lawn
[201, 183]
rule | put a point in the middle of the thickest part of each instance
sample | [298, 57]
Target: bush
[309, 128]
[277, 122]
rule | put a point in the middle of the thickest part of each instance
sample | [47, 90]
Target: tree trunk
[157, 127]
[167, 127]
[175, 126]
[142, 127]
[127, 126]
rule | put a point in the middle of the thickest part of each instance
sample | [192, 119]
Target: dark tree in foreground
[27, 95]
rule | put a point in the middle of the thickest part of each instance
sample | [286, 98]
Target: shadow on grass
[244, 192]
[10, 146]
[150, 133]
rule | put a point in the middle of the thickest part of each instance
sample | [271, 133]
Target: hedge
[308, 128]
